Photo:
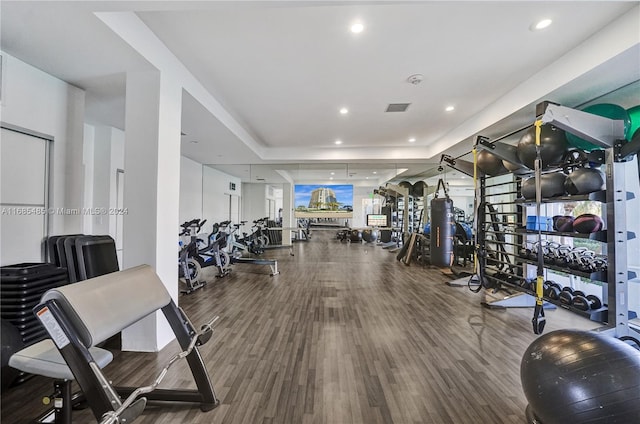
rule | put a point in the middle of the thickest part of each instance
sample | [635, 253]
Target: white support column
[151, 193]
[287, 212]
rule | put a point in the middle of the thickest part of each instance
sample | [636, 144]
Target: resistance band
[539, 319]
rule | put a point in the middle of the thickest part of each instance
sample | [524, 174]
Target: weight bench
[80, 316]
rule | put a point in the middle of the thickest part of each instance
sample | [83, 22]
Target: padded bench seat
[43, 358]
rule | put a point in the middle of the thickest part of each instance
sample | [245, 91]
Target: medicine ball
[588, 223]
[606, 110]
[490, 164]
[571, 376]
[418, 189]
[563, 224]
[553, 144]
[585, 181]
[551, 185]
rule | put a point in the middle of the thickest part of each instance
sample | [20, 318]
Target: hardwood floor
[345, 334]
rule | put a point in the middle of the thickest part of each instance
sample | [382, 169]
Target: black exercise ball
[563, 224]
[551, 185]
[585, 181]
[515, 168]
[419, 189]
[571, 376]
[553, 144]
[588, 223]
[406, 184]
[490, 164]
[11, 341]
[369, 235]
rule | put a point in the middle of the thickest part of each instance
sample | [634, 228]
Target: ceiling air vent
[397, 107]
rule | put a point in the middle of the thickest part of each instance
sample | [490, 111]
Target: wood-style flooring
[345, 334]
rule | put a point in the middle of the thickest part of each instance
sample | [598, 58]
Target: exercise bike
[189, 267]
[211, 252]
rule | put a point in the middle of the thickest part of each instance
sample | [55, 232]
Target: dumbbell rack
[607, 134]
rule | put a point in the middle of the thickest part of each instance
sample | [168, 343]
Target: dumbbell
[584, 303]
[566, 296]
[552, 290]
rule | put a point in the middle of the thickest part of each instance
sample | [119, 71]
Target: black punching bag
[442, 229]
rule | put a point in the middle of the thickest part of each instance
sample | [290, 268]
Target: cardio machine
[211, 252]
[189, 268]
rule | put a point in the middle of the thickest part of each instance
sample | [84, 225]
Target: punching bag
[443, 228]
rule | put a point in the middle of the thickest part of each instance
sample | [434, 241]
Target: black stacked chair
[22, 286]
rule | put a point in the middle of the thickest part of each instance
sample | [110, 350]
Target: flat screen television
[322, 200]
[374, 220]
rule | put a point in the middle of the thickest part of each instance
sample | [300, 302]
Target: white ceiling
[277, 73]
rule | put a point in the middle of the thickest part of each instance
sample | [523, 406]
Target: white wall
[254, 202]
[87, 161]
[190, 190]
[36, 101]
[215, 194]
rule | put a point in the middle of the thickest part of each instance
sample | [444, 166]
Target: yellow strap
[538, 125]
[475, 205]
[539, 289]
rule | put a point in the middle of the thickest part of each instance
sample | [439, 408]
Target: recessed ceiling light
[331, 178]
[375, 172]
[357, 28]
[338, 142]
[449, 108]
[412, 140]
[344, 111]
[542, 24]
[333, 173]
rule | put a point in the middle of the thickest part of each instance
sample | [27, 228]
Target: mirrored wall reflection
[263, 187]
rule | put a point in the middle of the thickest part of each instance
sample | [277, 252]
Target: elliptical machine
[189, 267]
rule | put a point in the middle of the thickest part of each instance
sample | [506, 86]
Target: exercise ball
[634, 117]
[369, 235]
[606, 110]
[551, 185]
[571, 376]
[490, 164]
[11, 341]
[563, 224]
[553, 145]
[515, 168]
[588, 223]
[418, 189]
[407, 185]
[584, 181]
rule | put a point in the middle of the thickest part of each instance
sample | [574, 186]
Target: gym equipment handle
[113, 417]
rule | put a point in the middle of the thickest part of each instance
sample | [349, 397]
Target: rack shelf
[598, 235]
[597, 276]
[598, 315]
[597, 196]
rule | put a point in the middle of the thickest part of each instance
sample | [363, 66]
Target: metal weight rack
[495, 271]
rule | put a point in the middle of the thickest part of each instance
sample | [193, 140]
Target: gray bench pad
[43, 358]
